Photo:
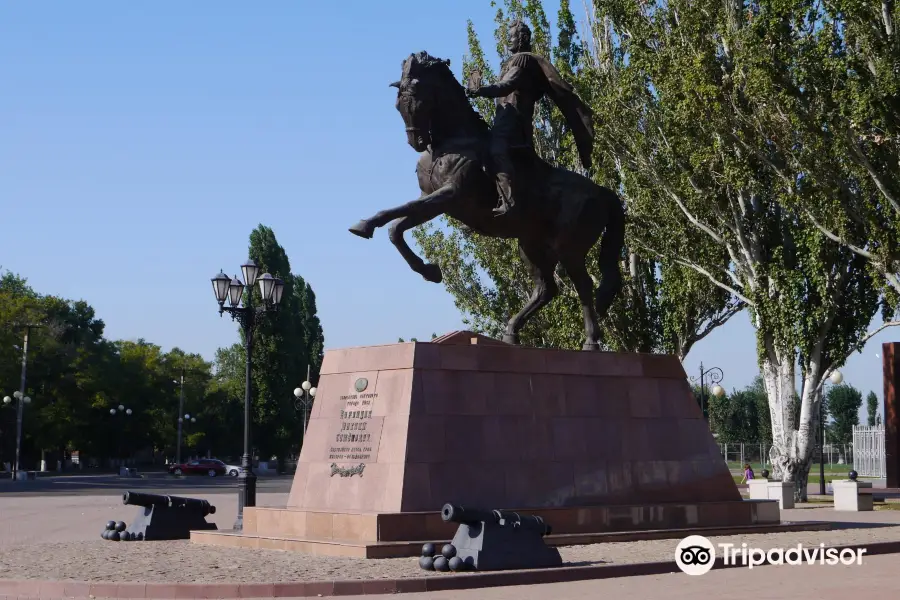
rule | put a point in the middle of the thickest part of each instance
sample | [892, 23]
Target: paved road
[153, 483]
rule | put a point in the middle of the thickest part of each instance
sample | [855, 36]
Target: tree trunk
[793, 442]
[778, 376]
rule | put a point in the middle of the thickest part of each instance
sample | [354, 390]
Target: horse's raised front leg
[426, 203]
[541, 264]
[430, 271]
[408, 216]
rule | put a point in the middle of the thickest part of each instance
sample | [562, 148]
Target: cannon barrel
[149, 500]
[451, 513]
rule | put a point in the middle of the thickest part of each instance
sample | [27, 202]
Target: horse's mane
[425, 63]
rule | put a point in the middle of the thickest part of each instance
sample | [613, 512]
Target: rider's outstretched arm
[506, 86]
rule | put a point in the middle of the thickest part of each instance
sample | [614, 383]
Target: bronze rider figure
[524, 79]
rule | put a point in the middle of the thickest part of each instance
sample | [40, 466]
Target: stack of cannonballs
[447, 560]
[115, 532]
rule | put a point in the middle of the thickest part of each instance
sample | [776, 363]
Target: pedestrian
[748, 474]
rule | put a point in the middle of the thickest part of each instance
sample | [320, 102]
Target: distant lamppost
[712, 375]
[21, 397]
[22, 400]
[305, 395]
[180, 408]
[122, 411]
[240, 297]
[187, 418]
[835, 378]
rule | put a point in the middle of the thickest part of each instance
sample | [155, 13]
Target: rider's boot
[507, 200]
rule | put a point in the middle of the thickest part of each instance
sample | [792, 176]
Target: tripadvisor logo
[696, 555]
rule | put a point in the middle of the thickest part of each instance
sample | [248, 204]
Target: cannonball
[121, 526]
[139, 536]
[110, 524]
[113, 536]
[441, 564]
[852, 475]
[456, 564]
[426, 563]
[469, 561]
[765, 473]
[428, 550]
[125, 536]
[105, 534]
[449, 551]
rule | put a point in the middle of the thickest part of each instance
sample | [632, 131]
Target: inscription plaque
[357, 433]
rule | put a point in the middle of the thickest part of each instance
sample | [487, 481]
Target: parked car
[204, 466]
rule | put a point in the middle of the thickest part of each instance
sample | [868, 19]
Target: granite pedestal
[847, 496]
[594, 442]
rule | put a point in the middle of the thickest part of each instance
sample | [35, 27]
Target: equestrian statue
[494, 183]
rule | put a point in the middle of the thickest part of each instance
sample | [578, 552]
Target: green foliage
[842, 403]
[75, 376]
[288, 345]
[742, 416]
[871, 408]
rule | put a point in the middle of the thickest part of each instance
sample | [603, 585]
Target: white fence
[868, 451]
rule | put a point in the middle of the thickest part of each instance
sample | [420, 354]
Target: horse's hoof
[432, 273]
[590, 346]
[363, 230]
[511, 338]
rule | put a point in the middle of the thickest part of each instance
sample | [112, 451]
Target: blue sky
[140, 144]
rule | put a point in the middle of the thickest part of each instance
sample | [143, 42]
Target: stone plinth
[594, 441]
[764, 489]
[758, 489]
[783, 492]
[847, 496]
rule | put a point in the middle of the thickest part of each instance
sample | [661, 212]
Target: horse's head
[418, 90]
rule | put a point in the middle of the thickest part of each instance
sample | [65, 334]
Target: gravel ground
[182, 561]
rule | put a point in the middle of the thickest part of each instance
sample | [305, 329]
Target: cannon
[496, 540]
[167, 517]
[148, 500]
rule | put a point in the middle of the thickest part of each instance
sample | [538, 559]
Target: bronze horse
[564, 217]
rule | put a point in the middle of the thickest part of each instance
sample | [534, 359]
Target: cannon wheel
[176, 472]
[212, 472]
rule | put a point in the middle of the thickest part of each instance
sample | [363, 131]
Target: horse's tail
[611, 245]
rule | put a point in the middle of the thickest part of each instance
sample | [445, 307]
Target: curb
[22, 589]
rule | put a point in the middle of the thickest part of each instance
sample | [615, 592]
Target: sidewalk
[822, 582]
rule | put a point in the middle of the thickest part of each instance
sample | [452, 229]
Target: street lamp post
[21, 401]
[836, 378]
[305, 395]
[240, 297]
[122, 411]
[180, 408]
[187, 417]
[714, 375]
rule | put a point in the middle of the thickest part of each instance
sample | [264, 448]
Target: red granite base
[594, 442]
[392, 535]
